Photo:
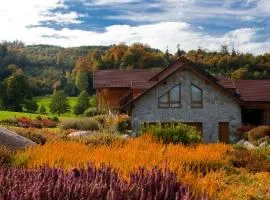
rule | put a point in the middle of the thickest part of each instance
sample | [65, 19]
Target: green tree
[82, 80]
[241, 73]
[82, 103]
[30, 105]
[42, 109]
[59, 103]
[179, 52]
[17, 89]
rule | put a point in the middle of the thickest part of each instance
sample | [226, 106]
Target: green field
[45, 100]
[10, 114]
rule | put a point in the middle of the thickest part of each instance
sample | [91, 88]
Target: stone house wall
[217, 107]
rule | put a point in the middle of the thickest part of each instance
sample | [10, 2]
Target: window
[171, 99]
[196, 97]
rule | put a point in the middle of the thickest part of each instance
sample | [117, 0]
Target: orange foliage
[190, 163]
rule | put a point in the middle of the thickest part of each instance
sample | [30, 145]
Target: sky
[207, 24]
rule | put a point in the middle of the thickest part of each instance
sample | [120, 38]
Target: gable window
[196, 97]
[171, 99]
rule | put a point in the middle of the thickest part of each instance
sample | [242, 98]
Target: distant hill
[50, 67]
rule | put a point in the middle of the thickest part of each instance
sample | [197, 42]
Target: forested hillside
[50, 67]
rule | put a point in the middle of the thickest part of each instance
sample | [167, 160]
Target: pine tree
[179, 52]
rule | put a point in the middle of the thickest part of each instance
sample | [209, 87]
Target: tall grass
[190, 163]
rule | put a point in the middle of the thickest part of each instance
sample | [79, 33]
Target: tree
[17, 89]
[82, 80]
[179, 52]
[82, 103]
[31, 106]
[59, 60]
[42, 109]
[224, 49]
[59, 103]
[241, 73]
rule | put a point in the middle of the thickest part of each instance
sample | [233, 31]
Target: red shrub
[49, 123]
[24, 120]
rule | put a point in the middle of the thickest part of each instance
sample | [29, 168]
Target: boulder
[125, 136]
[80, 133]
[249, 145]
[241, 142]
[13, 140]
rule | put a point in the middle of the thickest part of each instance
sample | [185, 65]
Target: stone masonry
[217, 107]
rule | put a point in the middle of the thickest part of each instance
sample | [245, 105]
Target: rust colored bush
[258, 133]
[254, 160]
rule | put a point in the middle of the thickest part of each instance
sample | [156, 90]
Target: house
[184, 92]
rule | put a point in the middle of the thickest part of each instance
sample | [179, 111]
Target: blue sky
[244, 24]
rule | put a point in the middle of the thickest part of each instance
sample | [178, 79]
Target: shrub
[254, 160]
[90, 183]
[80, 124]
[37, 138]
[242, 130]
[56, 119]
[49, 135]
[180, 133]
[258, 133]
[42, 110]
[10, 121]
[5, 155]
[90, 112]
[101, 119]
[48, 123]
[38, 117]
[31, 106]
[99, 139]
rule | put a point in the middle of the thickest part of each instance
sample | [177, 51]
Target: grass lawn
[46, 100]
[10, 114]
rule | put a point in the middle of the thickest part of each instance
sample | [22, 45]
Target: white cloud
[18, 17]
[158, 35]
[108, 2]
[32, 12]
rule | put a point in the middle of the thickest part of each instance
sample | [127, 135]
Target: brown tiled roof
[226, 82]
[143, 85]
[249, 90]
[254, 90]
[122, 78]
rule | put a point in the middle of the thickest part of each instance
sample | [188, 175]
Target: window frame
[196, 104]
[169, 104]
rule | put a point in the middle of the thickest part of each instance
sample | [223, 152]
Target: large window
[196, 97]
[171, 99]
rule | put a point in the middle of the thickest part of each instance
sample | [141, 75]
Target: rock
[249, 145]
[80, 134]
[125, 136]
[13, 140]
[264, 144]
[241, 142]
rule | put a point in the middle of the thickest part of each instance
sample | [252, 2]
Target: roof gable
[184, 64]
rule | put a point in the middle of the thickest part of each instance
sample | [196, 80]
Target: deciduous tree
[59, 103]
